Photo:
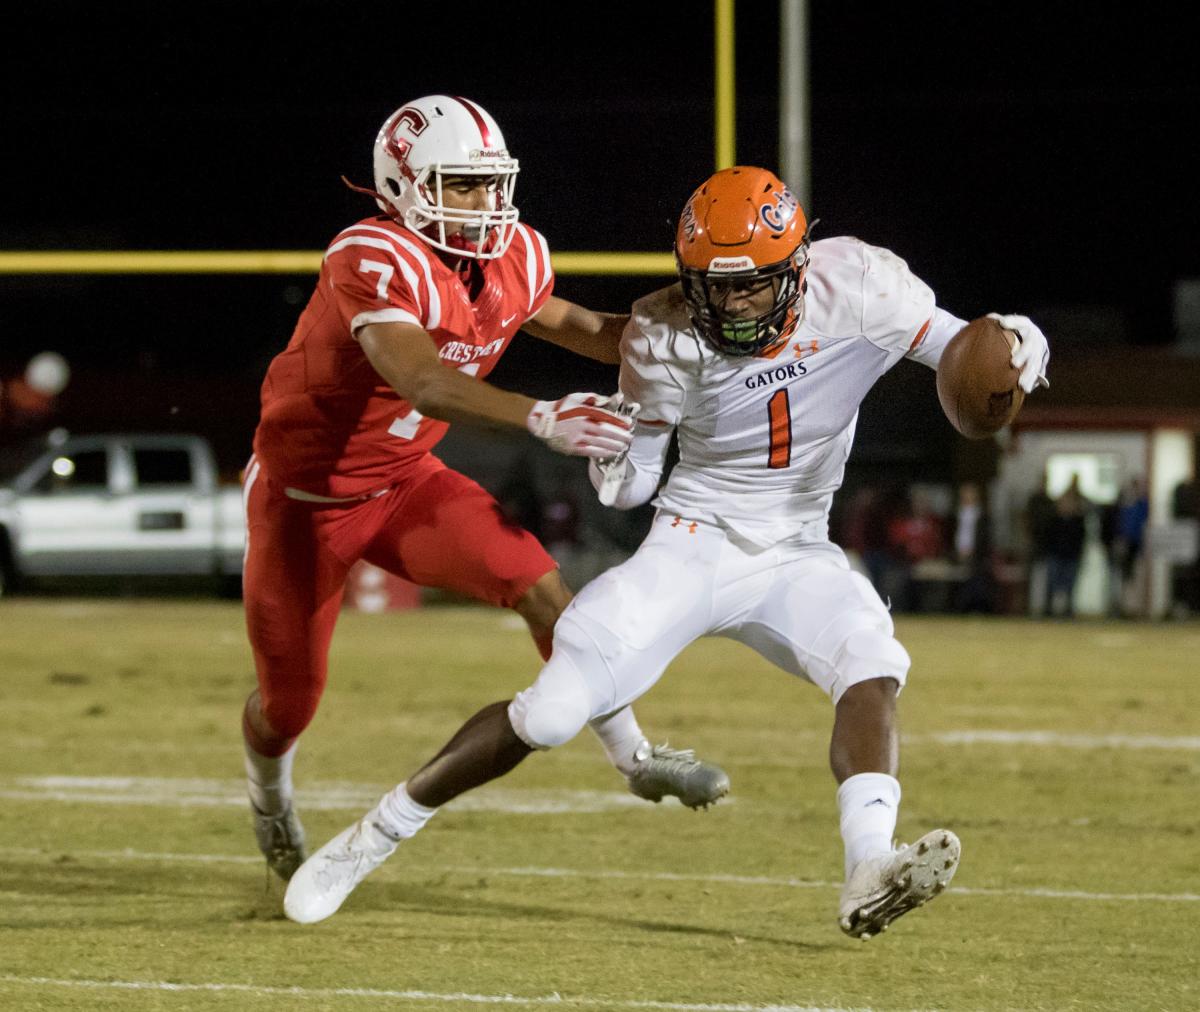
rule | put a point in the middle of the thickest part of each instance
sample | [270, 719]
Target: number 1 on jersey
[779, 415]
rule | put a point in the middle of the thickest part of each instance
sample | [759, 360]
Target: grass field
[1066, 756]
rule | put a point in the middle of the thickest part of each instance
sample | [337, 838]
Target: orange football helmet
[744, 227]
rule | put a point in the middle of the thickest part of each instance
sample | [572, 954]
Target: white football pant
[798, 605]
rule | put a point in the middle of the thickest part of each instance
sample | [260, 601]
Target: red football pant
[439, 529]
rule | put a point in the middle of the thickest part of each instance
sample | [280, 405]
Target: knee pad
[554, 709]
[868, 653]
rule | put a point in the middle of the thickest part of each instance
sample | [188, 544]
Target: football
[976, 381]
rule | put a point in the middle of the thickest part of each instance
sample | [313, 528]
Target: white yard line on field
[392, 870]
[1055, 739]
[553, 999]
[184, 792]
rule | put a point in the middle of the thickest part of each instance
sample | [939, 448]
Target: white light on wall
[1097, 473]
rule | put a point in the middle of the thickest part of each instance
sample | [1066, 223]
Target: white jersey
[763, 441]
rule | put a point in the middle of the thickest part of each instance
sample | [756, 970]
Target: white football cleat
[884, 887]
[320, 886]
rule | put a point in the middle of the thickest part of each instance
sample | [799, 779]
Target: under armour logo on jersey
[691, 524]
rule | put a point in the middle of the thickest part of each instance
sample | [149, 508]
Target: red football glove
[582, 425]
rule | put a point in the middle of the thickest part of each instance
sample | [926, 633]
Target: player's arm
[633, 479]
[933, 336]
[1030, 356]
[649, 382]
[406, 357]
[583, 331]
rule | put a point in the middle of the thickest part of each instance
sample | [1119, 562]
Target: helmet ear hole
[393, 186]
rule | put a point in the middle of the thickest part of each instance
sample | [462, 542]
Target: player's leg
[464, 543]
[594, 668]
[598, 665]
[634, 618]
[827, 624]
[651, 771]
[292, 589]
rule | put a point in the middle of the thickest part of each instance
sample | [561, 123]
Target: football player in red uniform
[412, 309]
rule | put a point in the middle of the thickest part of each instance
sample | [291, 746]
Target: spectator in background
[914, 535]
[1107, 514]
[973, 550]
[1039, 521]
[857, 531]
[1129, 533]
[1067, 533]
[1185, 507]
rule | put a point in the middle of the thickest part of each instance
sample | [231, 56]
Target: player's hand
[583, 425]
[1032, 353]
[610, 471]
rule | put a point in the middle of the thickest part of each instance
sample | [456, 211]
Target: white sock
[621, 737]
[398, 816]
[269, 779]
[869, 803]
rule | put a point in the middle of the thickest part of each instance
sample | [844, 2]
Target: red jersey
[330, 425]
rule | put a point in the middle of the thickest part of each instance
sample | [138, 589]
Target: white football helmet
[424, 142]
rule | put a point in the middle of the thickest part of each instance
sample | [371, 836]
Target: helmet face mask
[738, 333]
[439, 139]
[741, 250]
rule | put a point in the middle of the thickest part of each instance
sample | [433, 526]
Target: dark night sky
[1019, 160]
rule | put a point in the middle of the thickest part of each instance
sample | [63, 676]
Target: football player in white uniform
[757, 362]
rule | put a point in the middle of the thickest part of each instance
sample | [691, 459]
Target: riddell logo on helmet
[480, 153]
[731, 264]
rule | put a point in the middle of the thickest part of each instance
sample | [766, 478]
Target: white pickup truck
[119, 505]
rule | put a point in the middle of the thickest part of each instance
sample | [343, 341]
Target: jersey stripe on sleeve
[381, 316]
[920, 334]
[537, 263]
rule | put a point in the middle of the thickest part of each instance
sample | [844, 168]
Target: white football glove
[1032, 353]
[612, 477]
[610, 472]
[583, 425]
